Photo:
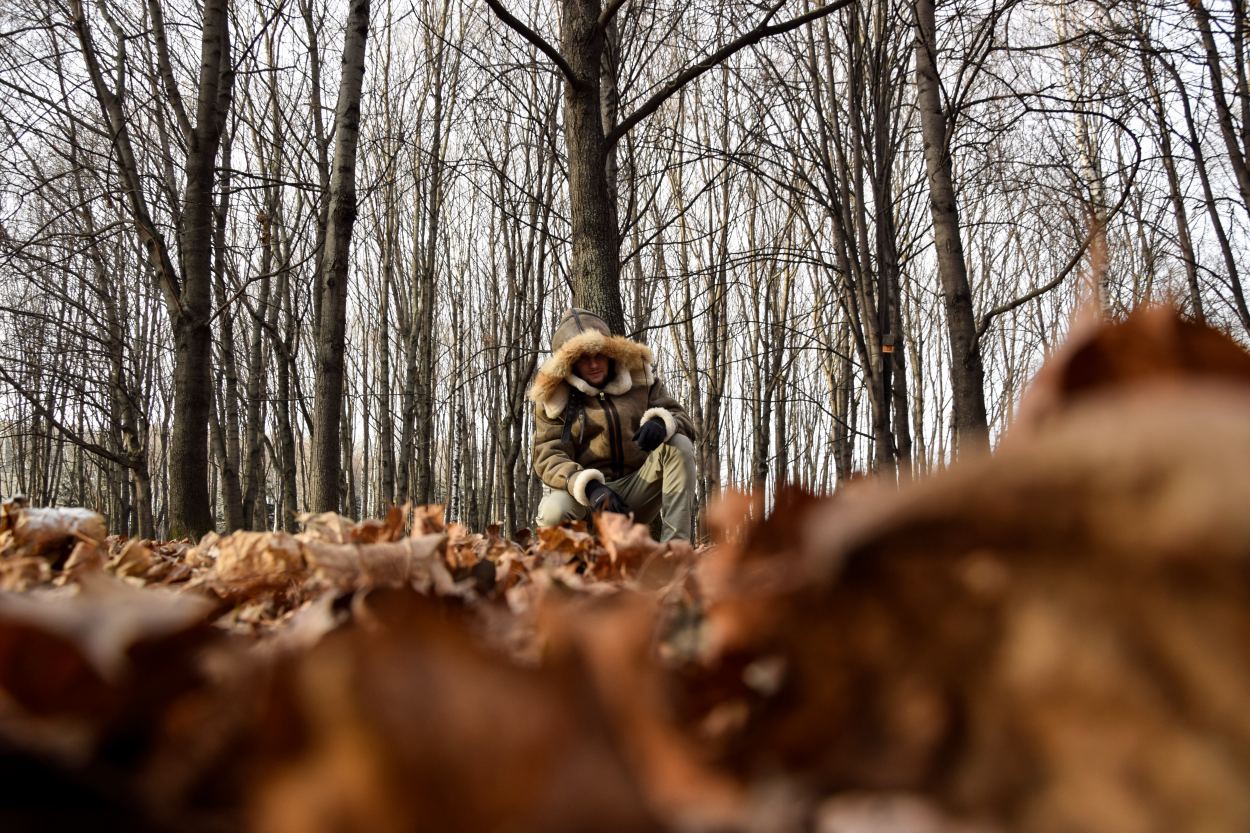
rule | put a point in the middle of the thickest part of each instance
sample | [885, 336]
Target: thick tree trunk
[143, 500]
[331, 337]
[288, 506]
[189, 501]
[967, 375]
[595, 261]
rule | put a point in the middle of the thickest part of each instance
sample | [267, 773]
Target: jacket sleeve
[554, 461]
[661, 404]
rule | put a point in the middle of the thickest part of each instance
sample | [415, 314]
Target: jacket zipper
[614, 434]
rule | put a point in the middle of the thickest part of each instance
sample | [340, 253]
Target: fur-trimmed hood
[582, 333]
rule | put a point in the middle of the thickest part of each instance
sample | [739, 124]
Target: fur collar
[556, 378]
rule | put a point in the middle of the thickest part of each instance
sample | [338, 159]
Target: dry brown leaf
[50, 533]
[428, 520]
[60, 648]
[407, 562]
[327, 527]
[464, 549]
[1051, 638]
[565, 543]
[9, 512]
[1154, 344]
[390, 528]
[615, 637]
[21, 573]
[248, 562]
[627, 544]
[86, 557]
[411, 724]
[889, 813]
[306, 625]
[135, 559]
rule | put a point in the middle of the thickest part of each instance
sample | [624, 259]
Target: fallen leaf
[627, 544]
[407, 562]
[61, 649]
[411, 724]
[248, 562]
[51, 533]
[328, 527]
[135, 559]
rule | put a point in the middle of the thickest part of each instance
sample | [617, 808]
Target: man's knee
[683, 446]
[556, 507]
[678, 463]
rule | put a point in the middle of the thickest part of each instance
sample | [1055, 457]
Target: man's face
[592, 368]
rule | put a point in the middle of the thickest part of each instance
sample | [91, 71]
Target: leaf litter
[1050, 638]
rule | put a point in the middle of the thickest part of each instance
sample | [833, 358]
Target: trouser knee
[680, 462]
[556, 507]
[682, 445]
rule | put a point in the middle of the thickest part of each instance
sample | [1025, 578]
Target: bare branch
[751, 38]
[534, 38]
[609, 12]
[166, 69]
[65, 431]
[989, 316]
[1037, 292]
[128, 168]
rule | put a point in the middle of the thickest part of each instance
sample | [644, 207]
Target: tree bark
[228, 418]
[189, 511]
[595, 259]
[967, 375]
[1223, 111]
[331, 337]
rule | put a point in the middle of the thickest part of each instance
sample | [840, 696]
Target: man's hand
[603, 499]
[650, 434]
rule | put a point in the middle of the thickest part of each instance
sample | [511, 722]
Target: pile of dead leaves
[1051, 638]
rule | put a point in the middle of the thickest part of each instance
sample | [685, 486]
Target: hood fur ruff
[551, 385]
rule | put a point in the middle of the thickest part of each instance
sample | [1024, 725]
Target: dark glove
[650, 434]
[603, 499]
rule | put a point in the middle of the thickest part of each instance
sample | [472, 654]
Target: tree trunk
[254, 469]
[1223, 112]
[331, 337]
[386, 422]
[189, 505]
[188, 296]
[967, 375]
[595, 259]
[230, 453]
[288, 507]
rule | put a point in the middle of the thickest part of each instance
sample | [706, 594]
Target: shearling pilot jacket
[583, 433]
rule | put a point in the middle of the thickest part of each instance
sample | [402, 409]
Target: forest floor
[1049, 638]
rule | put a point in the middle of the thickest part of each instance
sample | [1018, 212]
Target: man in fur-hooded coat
[607, 434]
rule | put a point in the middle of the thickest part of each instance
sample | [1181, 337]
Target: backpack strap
[572, 411]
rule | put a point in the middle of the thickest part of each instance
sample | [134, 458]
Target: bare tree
[967, 375]
[332, 332]
[590, 136]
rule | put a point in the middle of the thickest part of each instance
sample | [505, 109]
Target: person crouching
[607, 434]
